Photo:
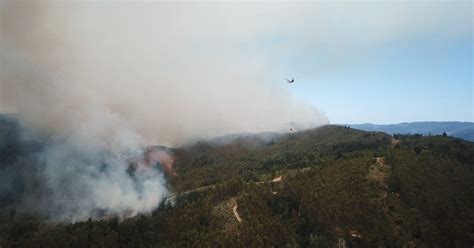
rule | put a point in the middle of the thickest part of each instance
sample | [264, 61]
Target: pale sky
[386, 62]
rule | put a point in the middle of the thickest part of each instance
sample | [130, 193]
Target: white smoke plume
[106, 79]
[173, 73]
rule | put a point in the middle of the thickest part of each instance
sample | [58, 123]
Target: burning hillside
[102, 87]
[156, 156]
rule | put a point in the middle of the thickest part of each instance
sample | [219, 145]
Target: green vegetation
[368, 189]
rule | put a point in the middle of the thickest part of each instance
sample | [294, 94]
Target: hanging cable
[291, 81]
[291, 108]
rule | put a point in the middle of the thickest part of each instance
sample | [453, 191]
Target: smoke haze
[104, 80]
[166, 71]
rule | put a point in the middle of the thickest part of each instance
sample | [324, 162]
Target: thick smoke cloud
[104, 80]
[173, 72]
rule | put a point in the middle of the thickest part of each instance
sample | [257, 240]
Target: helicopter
[290, 81]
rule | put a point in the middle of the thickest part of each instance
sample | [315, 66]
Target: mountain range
[462, 130]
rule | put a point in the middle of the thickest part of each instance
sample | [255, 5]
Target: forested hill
[319, 188]
[462, 130]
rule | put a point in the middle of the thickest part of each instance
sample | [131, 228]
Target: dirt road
[236, 214]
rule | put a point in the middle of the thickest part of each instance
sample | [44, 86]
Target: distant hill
[462, 130]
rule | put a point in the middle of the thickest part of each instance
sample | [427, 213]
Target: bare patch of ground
[394, 143]
[379, 172]
[233, 202]
[277, 179]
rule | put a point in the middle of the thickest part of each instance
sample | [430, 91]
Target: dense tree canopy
[367, 189]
